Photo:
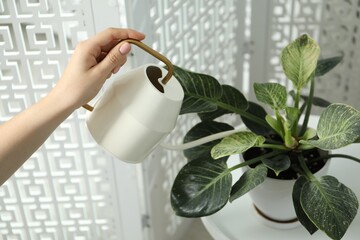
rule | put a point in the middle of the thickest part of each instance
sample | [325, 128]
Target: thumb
[115, 58]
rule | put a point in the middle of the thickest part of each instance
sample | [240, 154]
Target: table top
[238, 220]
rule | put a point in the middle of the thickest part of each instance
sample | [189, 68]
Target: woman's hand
[93, 61]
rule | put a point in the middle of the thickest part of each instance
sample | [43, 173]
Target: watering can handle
[154, 53]
[151, 52]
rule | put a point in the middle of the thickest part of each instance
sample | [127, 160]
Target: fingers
[113, 60]
[109, 37]
[116, 69]
[125, 49]
[101, 57]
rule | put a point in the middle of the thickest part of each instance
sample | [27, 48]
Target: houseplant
[281, 138]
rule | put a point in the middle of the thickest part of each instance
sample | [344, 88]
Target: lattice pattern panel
[340, 35]
[289, 20]
[65, 190]
[200, 36]
[334, 24]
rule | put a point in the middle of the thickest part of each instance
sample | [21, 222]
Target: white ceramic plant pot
[273, 198]
[273, 201]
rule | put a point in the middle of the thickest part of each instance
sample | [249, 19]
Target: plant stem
[297, 98]
[302, 108]
[274, 146]
[305, 147]
[303, 165]
[245, 114]
[296, 105]
[337, 156]
[255, 160]
[268, 140]
[309, 105]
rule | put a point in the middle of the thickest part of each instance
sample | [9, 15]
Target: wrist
[62, 100]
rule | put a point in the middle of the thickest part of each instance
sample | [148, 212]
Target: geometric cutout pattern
[340, 36]
[334, 25]
[65, 190]
[200, 36]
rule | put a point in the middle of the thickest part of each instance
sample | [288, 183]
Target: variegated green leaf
[273, 94]
[248, 181]
[329, 204]
[200, 91]
[299, 60]
[275, 124]
[300, 213]
[309, 133]
[292, 115]
[339, 125]
[290, 141]
[201, 188]
[236, 143]
[201, 130]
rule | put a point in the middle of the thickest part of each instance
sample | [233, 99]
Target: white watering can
[137, 111]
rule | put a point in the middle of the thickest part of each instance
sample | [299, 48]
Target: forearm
[93, 61]
[25, 133]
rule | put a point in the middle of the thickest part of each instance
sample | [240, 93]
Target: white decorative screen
[70, 188]
[202, 36]
[333, 24]
[340, 35]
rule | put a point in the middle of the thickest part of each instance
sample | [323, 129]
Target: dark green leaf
[303, 218]
[248, 181]
[317, 101]
[196, 105]
[258, 111]
[325, 65]
[201, 188]
[201, 130]
[329, 204]
[200, 91]
[208, 116]
[277, 164]
[231, 100]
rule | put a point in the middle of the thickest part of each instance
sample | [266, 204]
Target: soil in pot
[293, 172]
